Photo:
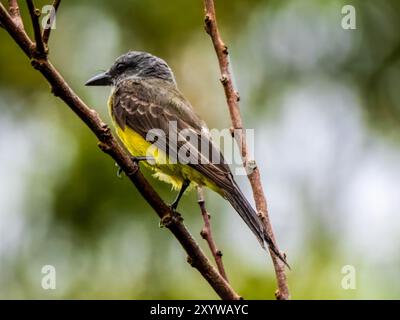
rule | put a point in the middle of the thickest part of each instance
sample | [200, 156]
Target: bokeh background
[325, 106]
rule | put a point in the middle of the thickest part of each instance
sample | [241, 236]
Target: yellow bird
[158, 125]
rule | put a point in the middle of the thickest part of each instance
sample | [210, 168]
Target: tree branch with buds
[233, 98]
[206, 233]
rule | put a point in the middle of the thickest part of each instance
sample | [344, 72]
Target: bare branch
[109, 145]
[35, 14]
[206, 233]
[46, 32]
[16, 32]
[233, 98]
[13, 9]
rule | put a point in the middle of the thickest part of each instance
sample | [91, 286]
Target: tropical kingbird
[144, 99]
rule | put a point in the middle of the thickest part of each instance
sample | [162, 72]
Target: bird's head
[134, 64]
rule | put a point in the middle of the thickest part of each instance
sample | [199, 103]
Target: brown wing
[153, 104]
[144, 107]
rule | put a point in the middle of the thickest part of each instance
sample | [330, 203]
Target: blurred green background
[325, 106]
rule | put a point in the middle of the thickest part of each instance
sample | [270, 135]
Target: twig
[233, 98]
[109, 145]
[206, 233]
[35, 14]
[46, 32]
[15, 14]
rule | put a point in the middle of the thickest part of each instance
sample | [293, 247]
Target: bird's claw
[173, 206]
[120, 171]
[144, 158]
[172, 217]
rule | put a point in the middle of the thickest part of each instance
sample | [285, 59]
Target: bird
[153, 120]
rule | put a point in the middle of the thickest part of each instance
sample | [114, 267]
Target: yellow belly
[173, 174]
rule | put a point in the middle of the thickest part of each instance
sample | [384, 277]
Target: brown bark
[206, 233]
[233, 98]
[46, 32]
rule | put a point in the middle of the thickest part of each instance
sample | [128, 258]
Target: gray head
[134, 64]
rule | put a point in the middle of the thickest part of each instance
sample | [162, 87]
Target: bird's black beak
[102, 79]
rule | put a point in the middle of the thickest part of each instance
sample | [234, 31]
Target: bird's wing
[144, 108]
[143, 111]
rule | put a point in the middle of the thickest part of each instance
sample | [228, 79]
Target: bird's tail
[247, 213]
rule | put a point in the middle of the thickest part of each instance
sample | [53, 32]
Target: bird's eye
[120, 67]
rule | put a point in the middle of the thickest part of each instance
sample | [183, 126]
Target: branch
[46, 32]
[109, 145]
[206, 233]
[233, 98]
[35, 14]
[15, 14]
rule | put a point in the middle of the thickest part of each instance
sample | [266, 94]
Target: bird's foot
[139, 159]
[172, 217]
[174, 205]
[120, 171]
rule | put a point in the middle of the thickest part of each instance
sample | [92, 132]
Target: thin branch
[35, 14]
[46, 31]
[206, 233]
[13, 9]
[109, 145]
[233, 98]
[16, 32]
